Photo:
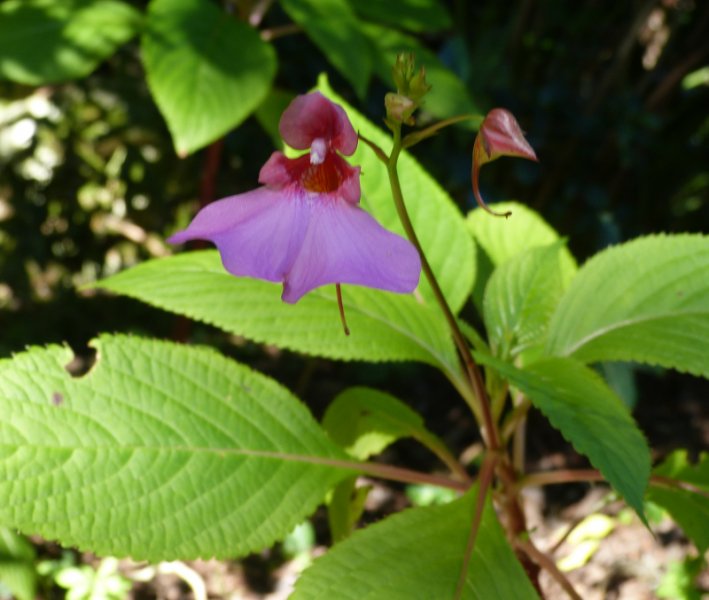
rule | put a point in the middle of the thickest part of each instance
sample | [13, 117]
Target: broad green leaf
[364, 422]
[438, 223]
[589, 415]
[415, 15]
[689, 509]
[498, 240]
[46, 41]
[334, 28]
[645, 301]
[448, 97]
[520, 298]
[420, 553]
[383, 326]
[161, 451]
[206, 70]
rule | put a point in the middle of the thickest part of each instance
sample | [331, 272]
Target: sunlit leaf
[589, 415]
[207, 70]
[420, 553]
[161, 451]
[384, 326]
[645, 301]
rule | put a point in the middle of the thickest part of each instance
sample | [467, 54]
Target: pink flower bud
[499, 135]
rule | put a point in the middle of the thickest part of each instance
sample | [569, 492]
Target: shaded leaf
[364, 422]
[334, 28]
[45, 41]
[179, 452]
[689, 509]
[416, 15]
[589, 415]
[433, 540]
[206, 70]
[645, 301]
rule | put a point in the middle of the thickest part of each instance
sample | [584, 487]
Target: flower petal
[258, 233]
[344, 244]
[313, 116]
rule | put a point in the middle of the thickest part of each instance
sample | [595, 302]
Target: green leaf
[499, 240]
[645, 301]
[334, 28]
[420, 553]
[689, 509]
[436, 219]
[415, 15]
[364, 422]
[383, 326]
[585, 410]
[520, 298]
[45, 41]
[345, 508]
[161, 451]
[20, 578]
[448, 97]
[207, 70]
[17, 570]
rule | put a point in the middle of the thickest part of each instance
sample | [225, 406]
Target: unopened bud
[499, 135]
[411, 87]
[399, 108]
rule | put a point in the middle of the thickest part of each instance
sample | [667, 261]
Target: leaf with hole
[161, 451]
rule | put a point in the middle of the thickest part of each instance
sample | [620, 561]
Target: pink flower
[304, 227]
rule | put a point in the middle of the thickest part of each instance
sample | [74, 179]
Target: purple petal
[258, 233]
[313, 116]
[344, 244]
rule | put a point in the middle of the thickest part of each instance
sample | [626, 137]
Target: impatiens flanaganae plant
[167, 451]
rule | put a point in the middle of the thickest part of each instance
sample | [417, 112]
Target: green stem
[478, 402]
[422, 134]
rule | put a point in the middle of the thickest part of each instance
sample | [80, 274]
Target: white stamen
[318, 150]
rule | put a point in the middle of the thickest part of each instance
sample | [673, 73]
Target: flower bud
[411, 87]
[499, 135]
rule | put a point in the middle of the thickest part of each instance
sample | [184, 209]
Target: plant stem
[548, 565]
[393, 473]
[481, 405]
